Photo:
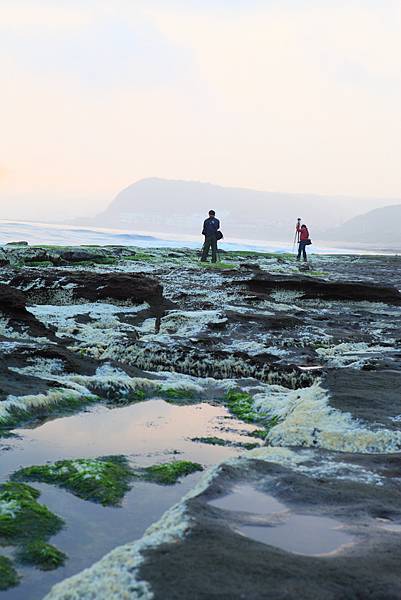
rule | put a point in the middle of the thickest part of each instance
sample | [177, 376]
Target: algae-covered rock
[42, 555]
[170, 473]
[216, 441]
[22, 518]
[240, 404]
[104, 480]
[8, 575]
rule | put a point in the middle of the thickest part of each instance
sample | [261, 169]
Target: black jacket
[211, 227]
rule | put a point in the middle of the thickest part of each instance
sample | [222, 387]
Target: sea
[36, 233]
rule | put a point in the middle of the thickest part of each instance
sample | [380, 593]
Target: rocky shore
[309, 355]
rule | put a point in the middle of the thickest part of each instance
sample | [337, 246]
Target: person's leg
[205, 250]
[214, 249]
[299, 250]
[304, 253]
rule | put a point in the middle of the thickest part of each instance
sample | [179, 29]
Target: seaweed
[240, 404]
[170, 473]
[104, 480]
[42, 555]
[8, 575]
[22, 518]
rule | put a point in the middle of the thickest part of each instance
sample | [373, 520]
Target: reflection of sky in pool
[147, 432]
[298, 533]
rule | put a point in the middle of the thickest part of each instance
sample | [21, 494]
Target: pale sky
[279, 95]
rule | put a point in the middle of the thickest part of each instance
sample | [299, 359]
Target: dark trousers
[302, 250]
[210, 242]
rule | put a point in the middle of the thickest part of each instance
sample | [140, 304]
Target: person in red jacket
[303, 240]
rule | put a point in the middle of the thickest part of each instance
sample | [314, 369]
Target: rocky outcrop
[266, 283]
[279, 532]
[13, 309]
[55, 286]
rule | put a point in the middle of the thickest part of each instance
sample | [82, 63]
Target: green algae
[218, 265]
[240, 404]
[57, 402]
[8, 575]
[176, 394]
[42, 555]
[170, 473]
[22, 518]
[104, 480]
[258, 433]
[39, 263]
[216, 441]
[140, 256]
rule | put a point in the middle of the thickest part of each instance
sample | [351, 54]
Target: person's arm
[204, 228]
[218, 225]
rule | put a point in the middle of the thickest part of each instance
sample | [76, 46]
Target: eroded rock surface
[312, 357]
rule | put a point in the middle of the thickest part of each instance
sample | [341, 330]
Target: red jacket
[304, 233]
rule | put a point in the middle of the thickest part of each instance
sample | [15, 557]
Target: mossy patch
[28, 408]
[39, 263]
[170, 473]
[176, 394]
[218, 265]
[104, 480]
[140, 256]
[8, 575]
[240, 404]
[22, 518]
[258, 433]
[42, 555]
[216, 441]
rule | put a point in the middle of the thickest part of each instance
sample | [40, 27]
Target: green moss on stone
[42, 555]
[214, 441]
[258, 433]
[218, 265]
[104, 480]
[8, 575]
[140, 256]
[169, 473]
[176, 394]
[39, 263]
[22, 518]
[240, 404]
[63, 404]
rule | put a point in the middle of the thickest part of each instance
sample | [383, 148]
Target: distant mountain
[169, 206]
[379, 226]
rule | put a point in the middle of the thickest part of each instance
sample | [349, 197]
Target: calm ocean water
[56, 234]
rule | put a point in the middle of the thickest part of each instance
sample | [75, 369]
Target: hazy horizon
[283, 96]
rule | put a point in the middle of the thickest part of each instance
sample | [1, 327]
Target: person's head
[211, 213]
[303, 226]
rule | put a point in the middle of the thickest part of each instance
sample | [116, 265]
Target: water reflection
[148, 432]
[298, 533]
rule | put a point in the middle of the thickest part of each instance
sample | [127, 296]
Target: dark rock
[13, 307]
[214, 561]
[280, 321]
[45, 286]
[372, 396]
[314, 287]
[17, 243]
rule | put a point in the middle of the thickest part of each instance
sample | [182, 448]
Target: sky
[278, 95]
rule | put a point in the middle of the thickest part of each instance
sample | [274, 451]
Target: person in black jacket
[210, 229]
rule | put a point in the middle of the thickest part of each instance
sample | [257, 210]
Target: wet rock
[13, 308]
[203, 547]
[373, 396]
[57, 287]
[265, 284]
